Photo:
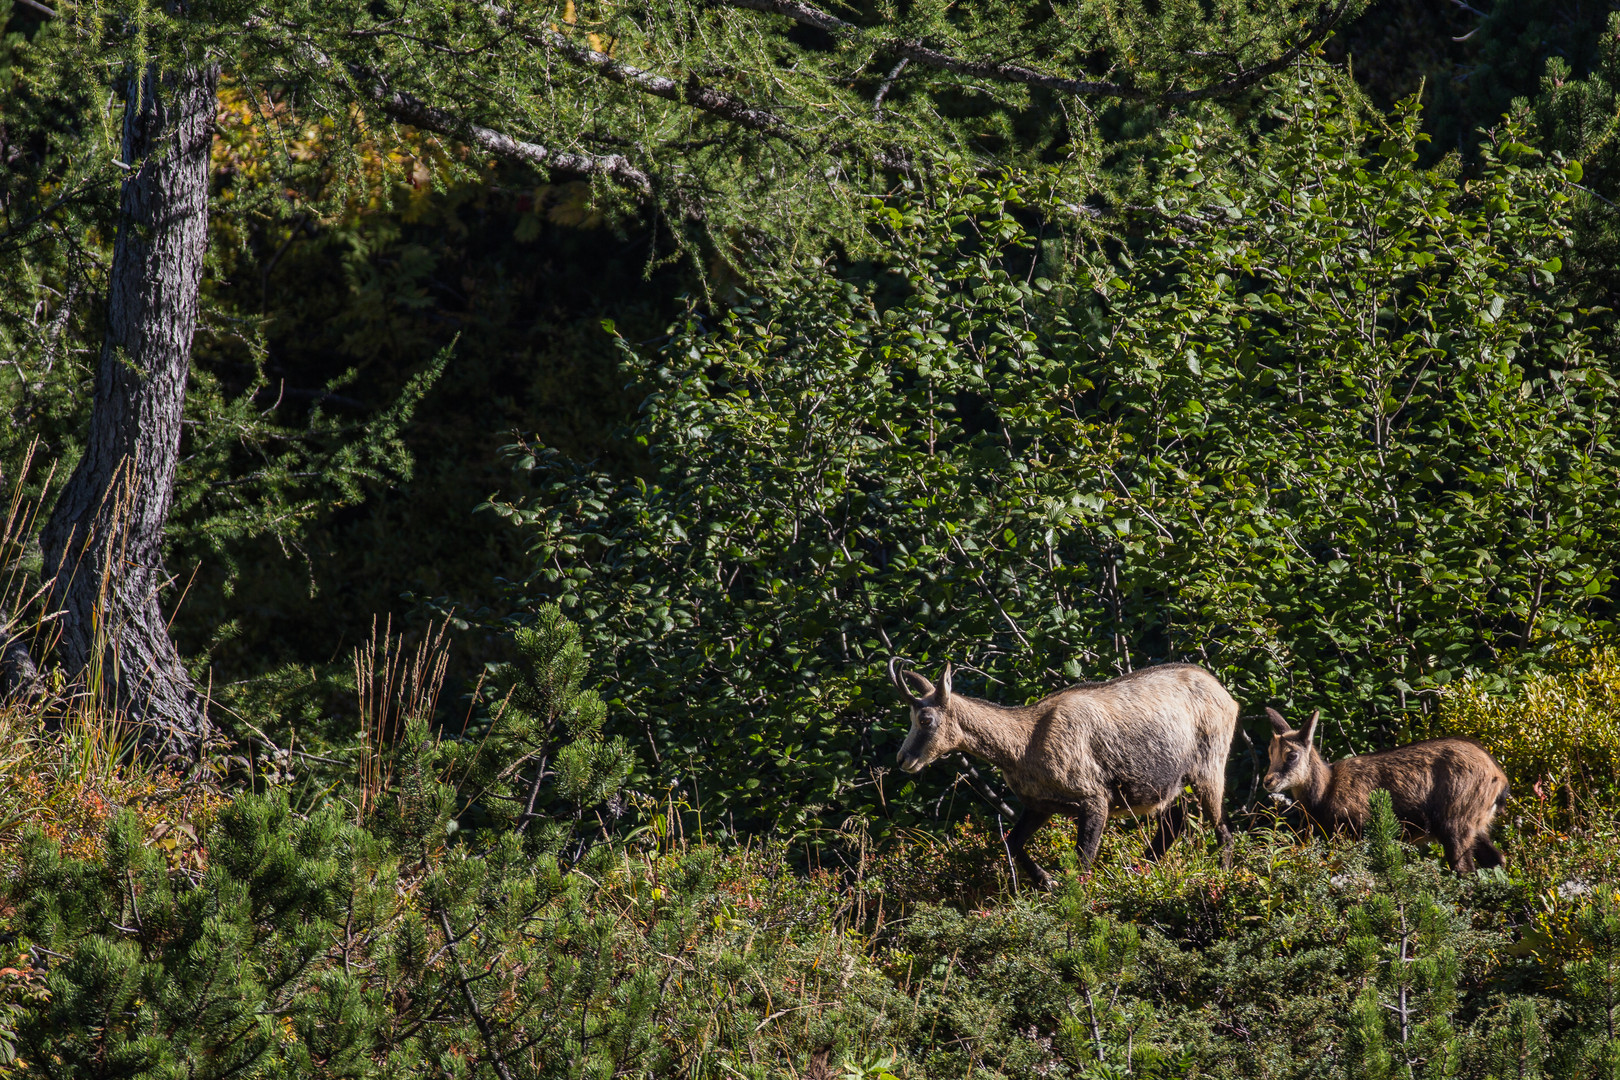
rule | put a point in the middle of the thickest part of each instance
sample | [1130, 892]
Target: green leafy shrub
[1555, 728]
[1330, 430]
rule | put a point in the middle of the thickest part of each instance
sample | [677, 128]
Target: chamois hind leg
[1211, 793]
[1171, 821]
[1029, 821]
[1089, 819]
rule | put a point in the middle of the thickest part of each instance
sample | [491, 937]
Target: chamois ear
[1309, 730]
[1278, 724]
[945, 683]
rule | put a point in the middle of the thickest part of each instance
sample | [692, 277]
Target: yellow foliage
[1560, 728]
[44, 790]
[69, 782]
[258, 136]
[570, 205]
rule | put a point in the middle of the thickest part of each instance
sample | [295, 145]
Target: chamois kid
[1093, 751]
[1446, 790]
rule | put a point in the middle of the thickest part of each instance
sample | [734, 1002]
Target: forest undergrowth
[510, 896]
[245, 921]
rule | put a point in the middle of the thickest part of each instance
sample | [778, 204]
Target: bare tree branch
[696, 94]
[803, 14]
[692, 92]
[1245, 79]
[888, 82]
[408, 109]
[484, 1029]
[916, 51]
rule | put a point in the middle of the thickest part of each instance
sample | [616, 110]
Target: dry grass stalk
[25, 633]
[66, 751]
[394, 686]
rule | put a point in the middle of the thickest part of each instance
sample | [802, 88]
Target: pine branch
[707, 98]
[1245, 79]
[888, 82]
[484, 1030]
[916, 51]
[919, 53]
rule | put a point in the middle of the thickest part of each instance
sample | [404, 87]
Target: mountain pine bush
[542, 762]
[308, 945]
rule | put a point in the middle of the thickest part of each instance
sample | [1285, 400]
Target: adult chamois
[1093, 751]
[1445, 789]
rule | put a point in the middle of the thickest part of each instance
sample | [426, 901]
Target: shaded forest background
[523, 277]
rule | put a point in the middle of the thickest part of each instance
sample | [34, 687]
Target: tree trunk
[103, 545]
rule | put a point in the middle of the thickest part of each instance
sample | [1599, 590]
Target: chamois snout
[923, 742]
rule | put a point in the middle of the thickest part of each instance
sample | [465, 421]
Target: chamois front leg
[1028, 823]
[1459, 852]
[1487, 854]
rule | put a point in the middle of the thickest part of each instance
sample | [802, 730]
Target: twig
[411, 110]
[783, 1012]
[1012, 868]
[472, 1002]
[981, 788]
[888, 81]
[274, 749]
[997, 71]
[1091, 1007]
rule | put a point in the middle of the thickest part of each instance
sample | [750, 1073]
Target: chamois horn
[897, 677]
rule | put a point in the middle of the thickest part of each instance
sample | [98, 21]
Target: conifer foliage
[1401, 952]
[1594, 1047]
[306, 945]
[544, 750]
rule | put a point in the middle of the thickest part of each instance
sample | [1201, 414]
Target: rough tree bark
[103, 544]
